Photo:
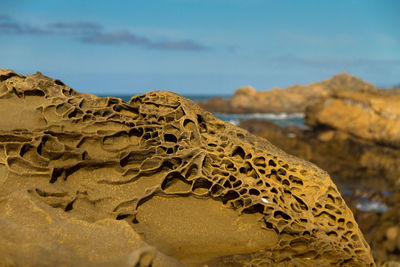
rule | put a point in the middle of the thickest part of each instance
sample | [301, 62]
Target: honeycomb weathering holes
[160, 144]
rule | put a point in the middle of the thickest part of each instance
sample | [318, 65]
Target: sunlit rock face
[293, 99]
[370, 115]
[96, 181]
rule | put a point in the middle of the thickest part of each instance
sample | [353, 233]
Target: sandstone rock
[293, 99]
[368, 115]
[96, 181]
[217, 104]
[391, 264]
[326, 136]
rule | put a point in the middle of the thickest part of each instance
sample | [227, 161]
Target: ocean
[281, 119]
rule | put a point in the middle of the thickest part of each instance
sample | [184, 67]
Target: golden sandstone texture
[90, 181]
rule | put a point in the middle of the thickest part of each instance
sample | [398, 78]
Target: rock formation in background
[369, 115]
[293, 99]
[90, 181]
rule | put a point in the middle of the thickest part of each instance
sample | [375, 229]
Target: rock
[369, 115]
[391, 264]
[391, 235]
[245, 98]
[354, 137]
[326, 136]
[51, 237]
[293, 99]
[218, 104]
[96, 181]
[382, 230]
[347, 159]
[374, 168]
[369, 118]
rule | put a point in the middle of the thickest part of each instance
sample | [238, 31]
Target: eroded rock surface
[157, 180]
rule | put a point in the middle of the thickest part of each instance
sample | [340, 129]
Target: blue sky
[200, 46]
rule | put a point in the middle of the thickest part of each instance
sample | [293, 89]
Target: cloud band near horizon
[93, 33]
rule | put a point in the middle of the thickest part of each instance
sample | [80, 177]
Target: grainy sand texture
[91, 181]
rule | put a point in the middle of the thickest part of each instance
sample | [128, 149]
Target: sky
[195, 47]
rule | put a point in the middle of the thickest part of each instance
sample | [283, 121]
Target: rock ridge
[293, 99]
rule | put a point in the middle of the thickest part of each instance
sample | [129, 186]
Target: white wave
[234, 122]
[282, 119]
[372, 206]
[268, 116]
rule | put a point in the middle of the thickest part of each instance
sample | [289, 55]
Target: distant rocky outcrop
[293, 99]
[157, 181]
[369, 115]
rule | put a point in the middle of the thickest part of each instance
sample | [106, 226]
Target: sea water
[281, 119]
